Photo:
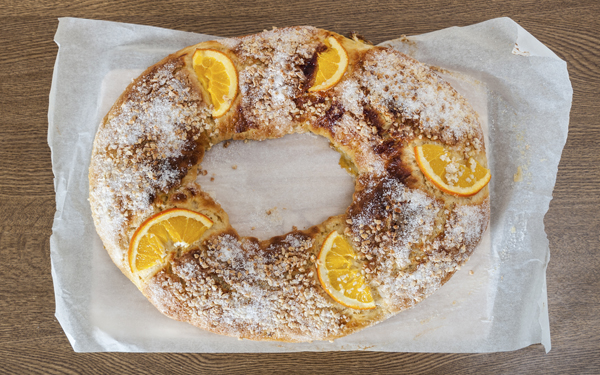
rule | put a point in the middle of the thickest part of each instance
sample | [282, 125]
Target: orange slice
[450, 175]
[340, 276]
[331, 65]
[218, 76]
[163, 234]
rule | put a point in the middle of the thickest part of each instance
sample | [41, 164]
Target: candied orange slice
[450, 175]
[331, 65]
[340, 274]
[162, 234]
[218, 76]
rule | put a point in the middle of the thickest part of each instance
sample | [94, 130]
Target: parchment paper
[496, 302]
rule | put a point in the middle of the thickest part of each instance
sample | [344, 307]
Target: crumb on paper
[517, 51]
[513, 229]
[294, 227]
[273, 216]
[234, 166]
[253, 228]
[404, 39]
[204, 172]
[365, 347]
[519, 175]
[471, 272]
[226, 144]
[527, 147]
[212, 178]
[426, 331]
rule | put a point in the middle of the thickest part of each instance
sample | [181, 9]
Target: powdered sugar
[351, 96]
[269, 88]
[413, 211]
[399, 231]
[466, 224]
[136, 147]
[416, 211]
[358, 138]
[247, 290]
[399, 84]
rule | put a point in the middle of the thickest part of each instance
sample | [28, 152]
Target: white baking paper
[519, 87]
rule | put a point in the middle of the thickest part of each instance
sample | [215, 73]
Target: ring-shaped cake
[406, 235]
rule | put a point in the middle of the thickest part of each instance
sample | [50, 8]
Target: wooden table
[32, 341]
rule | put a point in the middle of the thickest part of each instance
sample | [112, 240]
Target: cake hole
[270, 186]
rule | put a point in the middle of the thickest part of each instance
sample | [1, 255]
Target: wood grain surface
[32, 341]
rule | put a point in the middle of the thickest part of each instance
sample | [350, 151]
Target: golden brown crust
[409, 235]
